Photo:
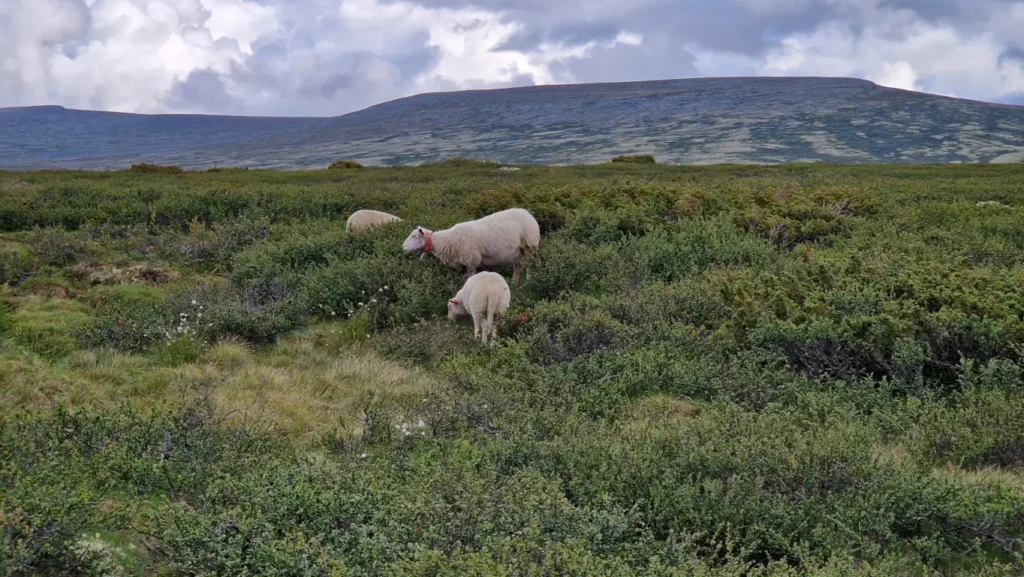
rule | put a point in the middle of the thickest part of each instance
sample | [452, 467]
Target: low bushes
[807, 370]
[634, 159]
[344, 164]
[156, 168]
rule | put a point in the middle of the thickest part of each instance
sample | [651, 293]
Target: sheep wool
[484, 296]
[365, 219]
[509, 236]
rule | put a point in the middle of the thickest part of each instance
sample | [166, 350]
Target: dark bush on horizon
[156, 168]
[343, 164]
[634, 159]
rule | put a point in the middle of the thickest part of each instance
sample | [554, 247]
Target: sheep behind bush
[366, 219]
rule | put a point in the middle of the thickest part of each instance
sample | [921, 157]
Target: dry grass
[990, 477]
[659, 412]
[300, 388]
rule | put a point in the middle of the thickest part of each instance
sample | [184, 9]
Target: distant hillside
[696, 121]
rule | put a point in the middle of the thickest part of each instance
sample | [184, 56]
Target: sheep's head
[416, 240]
[455, 309]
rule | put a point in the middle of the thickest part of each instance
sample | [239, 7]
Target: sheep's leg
[516, 268]
[485, 332]
[490, 327]
[470, 270]
[476, 328]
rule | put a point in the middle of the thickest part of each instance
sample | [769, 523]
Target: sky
[330, 57]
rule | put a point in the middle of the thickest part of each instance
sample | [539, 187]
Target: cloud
[899, 49]
[328, 57]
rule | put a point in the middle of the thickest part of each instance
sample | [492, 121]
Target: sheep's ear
[419, 229]
[453, 301]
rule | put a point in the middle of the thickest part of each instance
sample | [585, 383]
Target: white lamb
[365, 219]
[506, 237]
[485, 296]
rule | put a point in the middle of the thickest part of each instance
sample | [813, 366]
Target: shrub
[208, 311]
[542, 204]
[129, 318]
[15, 265]
[563, 331]
[227, 169]
[56, 247]
[220, 243]
[564, 267]
[156, 168]
[344, 164]
[635, 159]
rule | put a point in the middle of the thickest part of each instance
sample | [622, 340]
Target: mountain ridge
[761, 120]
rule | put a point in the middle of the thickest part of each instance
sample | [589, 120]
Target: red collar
[430, 239]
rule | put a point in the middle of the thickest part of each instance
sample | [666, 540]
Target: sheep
[505, 237]
[484, 296]
[365, 219]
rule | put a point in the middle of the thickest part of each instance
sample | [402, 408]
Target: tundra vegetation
[720, 371]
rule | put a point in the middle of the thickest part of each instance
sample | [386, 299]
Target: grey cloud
[203, 91]
[653, 60]
[1014, 53]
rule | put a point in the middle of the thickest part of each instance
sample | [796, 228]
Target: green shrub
[15, 265]
[344, 164]
[220, 243]
[563, 331]
[635, 159]
[564, 267]
[209, 311]
[156, 168]
[542, 204]
[56, 247]
[129, 319]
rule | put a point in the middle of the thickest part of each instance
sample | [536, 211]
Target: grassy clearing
[798, 370]
[297, 386]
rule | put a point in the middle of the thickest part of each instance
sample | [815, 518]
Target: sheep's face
[455, 309]
[416, 240]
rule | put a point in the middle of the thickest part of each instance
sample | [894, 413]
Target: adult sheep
[365, 219]
[484, 296]
[506, 237]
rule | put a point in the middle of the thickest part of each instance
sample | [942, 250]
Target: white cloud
[241, 21]
[914, 55]
[898, 75]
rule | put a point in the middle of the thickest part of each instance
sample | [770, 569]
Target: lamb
[485, 296]
[366, 219]
[505, 237]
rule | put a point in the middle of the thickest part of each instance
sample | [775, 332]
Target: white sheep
[364, 219]
[484, 296]
[506, 237]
